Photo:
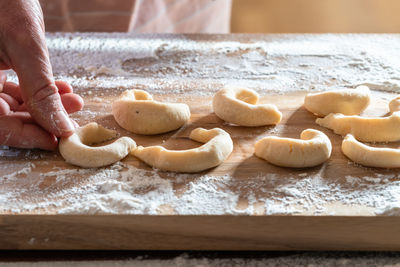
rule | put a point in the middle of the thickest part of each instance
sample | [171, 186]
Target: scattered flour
[166, 64]
[22, 172]
[172, 65]
[125, 189]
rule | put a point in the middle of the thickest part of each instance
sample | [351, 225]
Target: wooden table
[243, 204]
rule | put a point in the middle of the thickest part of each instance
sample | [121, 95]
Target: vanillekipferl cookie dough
[346, 101]
[366, 129]
[76, 148]
[312, 149]
[240, 106]
[218, 146]
[137, 112]
[369, 156]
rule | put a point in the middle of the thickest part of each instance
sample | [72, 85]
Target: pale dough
[313, 149]
[75, 149]
[347, 101]
[137, 112]
[370, 156]
[218, 146]
[366, 129]
[394, 105]
[240, 106]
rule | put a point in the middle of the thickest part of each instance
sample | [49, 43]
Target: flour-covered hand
[18, 128]
[23, 49]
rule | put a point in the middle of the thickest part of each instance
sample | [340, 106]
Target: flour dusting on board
[278, 64]
[163, 64]
[166, 65]
[125, 189]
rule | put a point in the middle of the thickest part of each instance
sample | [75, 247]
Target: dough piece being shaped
[394, 105]
[370, 156]
[75, 150]
[366, 129]
[218, 146]
[347, 101]
[239, 106]
[137, 112]
[313, 149]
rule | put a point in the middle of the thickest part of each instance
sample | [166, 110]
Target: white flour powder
[96, 63]
[122, 188]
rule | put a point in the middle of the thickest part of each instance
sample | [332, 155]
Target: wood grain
[113, 232]
[339, 224]
[206, 232]
[244, 167]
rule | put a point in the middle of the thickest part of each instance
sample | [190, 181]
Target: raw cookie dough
[75, 150]
[347, 101]
[218, 146]
[394, 105]
[239, 106]
[366, 129]
[370, 156]
[137, 112]
[313, 149]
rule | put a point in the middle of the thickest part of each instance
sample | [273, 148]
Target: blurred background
[222, 16]
[315, 16]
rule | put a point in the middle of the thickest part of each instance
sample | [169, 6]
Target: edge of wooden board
[146, 232]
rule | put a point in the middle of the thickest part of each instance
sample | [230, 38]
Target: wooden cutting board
[39, 208]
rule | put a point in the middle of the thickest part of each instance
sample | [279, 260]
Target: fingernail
[64, 124]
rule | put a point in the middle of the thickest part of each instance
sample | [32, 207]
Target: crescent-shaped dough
[366, 129]
[370, 156]
[218, 146]
[347, 101]
[75, 150]
[137, 112]
[239, 106]
[313, 149]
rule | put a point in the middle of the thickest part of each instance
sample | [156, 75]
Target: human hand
[18, 128]
[23, 49]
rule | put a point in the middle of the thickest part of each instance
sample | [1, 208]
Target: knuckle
[45, 99]
[44, 93]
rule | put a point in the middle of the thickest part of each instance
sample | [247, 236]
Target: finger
[3, 79]
[47, 110]
[15, 133]
[13, 90]
[72, 102]
[12, 103]
[4, 107]
[23, 116]
[63, 87]
[26, 49]
[22, 107]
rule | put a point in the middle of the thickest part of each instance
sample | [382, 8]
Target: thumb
[26, 51]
